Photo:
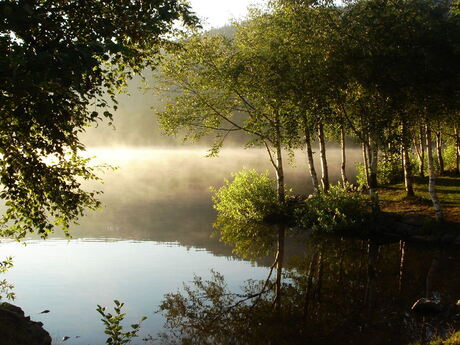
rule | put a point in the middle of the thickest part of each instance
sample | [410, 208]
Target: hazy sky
[220, 12]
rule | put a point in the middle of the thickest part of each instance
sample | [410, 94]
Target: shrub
[361, 178]
[243, 207]
[6, 289]
[113, 327]
[249, 197]
[389, 170]
[425, 164]
[450, 157]
[334, 211]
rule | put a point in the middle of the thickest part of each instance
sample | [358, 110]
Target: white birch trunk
[432, 177]
[365, 161]
[322, 149]
[373, 157]
[310, 160]
[406, 162]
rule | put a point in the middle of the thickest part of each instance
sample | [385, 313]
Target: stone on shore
[18, 329]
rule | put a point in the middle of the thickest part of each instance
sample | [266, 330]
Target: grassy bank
[448, 188]
[454, 339]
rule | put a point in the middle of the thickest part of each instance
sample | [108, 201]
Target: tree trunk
[439, 151]
[280, 175]
[432, 175]
[422, 152]
[310, 160]
[279, 165]
[457, 151]
[281, 227]
[343, 166]
[373, 156]
[365, 161]
[406, 162]
[322, 149]
[279, 268]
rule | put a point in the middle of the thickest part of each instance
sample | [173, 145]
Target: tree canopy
[297, 70]
[61, 65]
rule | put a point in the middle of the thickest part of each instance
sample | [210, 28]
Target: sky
[220, 12]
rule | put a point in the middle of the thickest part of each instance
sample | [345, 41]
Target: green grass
[454, 339]
[393, 198]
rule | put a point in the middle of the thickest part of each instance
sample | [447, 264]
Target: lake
[153, 234]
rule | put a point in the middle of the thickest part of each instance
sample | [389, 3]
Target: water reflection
[71, 278]
[341, 291]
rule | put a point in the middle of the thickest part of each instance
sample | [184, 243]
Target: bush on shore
[251, 199]
[336, 211]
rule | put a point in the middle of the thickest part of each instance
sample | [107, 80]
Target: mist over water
[157, 189]
[162, 183]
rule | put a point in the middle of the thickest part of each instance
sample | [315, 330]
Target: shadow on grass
[448, 182]
[444, 181]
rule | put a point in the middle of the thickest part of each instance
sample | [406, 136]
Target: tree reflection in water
[336, 291]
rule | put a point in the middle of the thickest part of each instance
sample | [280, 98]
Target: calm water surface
[154, 233]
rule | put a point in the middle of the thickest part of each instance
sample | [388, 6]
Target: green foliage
[453, 339]
[361, 177]
[238, 83]
[62, 63]
[450, 157]
[244, 206]
[249, 197]
[379, 69]
[113, 327]
[409, 33]
[335, 211]
[6, 289]
[226, 85]
[43, 193]
[389, 170]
